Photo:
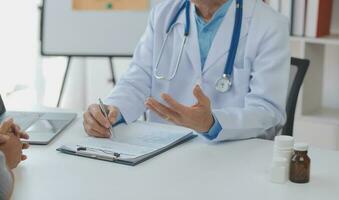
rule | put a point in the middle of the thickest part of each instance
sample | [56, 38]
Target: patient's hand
[12, 148]
[10, 144]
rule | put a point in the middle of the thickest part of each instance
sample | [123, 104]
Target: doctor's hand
[197, 117]
[96, 124]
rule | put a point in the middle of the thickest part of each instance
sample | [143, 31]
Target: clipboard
[123, 157]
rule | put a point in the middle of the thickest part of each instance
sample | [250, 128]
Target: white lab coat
[255, 105]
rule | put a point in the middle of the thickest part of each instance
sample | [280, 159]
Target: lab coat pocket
[241, 79]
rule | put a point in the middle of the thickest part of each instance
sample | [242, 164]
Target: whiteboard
[67, 32]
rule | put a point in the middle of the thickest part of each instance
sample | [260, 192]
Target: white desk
[195, 170]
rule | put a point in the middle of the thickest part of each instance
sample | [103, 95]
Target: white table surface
[195, 170]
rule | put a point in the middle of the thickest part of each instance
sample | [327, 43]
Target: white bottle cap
[301, 147]
[284, 142]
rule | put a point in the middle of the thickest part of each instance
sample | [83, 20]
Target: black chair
[299, 68]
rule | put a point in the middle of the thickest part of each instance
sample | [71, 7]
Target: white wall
[18, 44]
[98, 77]
[335, 24]
[75, 88]
[89, 79]
[331, 74]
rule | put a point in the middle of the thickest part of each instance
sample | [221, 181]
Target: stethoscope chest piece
[223, 84]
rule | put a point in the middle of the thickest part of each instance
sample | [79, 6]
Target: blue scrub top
[208, 30]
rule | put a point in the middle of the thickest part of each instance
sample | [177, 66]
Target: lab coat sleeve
[134, 87]
[264, 112]
[120, 119]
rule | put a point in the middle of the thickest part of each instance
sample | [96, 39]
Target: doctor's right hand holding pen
[95, 122]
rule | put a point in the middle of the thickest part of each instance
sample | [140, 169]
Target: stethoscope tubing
[233, 47]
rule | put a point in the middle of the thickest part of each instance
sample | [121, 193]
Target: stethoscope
[225, 82]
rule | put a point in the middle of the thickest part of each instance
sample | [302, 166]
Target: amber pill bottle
[300, 166]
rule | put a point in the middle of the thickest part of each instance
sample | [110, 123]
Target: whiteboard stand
[113, 80]
[93, 33]
[69, 61]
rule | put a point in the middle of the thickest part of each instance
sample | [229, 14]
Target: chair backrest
[298, 71]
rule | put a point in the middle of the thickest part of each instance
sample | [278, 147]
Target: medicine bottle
[283, 148]
[300, 165]
[279, 170]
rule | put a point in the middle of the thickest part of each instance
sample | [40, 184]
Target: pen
[105, 112]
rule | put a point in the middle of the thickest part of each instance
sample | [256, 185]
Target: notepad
[132, 144]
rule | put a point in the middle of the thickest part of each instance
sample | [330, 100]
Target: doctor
[219, 67]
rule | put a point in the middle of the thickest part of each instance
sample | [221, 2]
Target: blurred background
[29, 79]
